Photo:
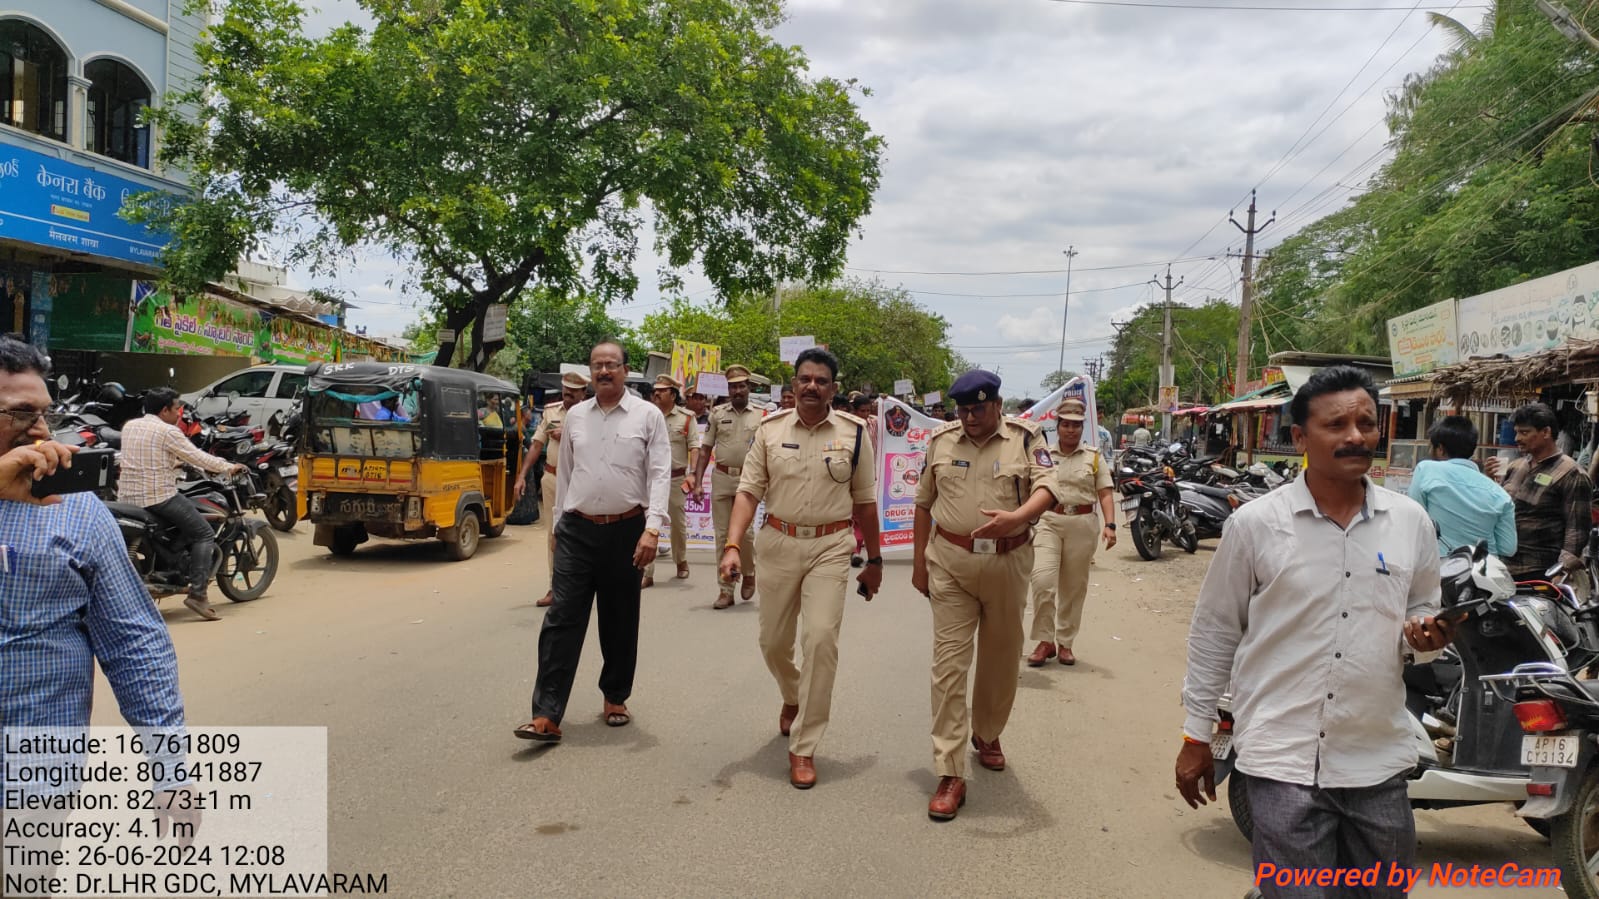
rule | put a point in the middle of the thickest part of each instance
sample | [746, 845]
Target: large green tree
[878, 333]
[1203, 336]
[1491, 183]
[501, 144]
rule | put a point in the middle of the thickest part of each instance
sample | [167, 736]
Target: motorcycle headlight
[244, 446]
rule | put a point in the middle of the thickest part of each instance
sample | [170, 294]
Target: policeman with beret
[987, 479]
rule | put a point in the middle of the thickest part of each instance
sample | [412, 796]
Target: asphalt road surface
[420, 668]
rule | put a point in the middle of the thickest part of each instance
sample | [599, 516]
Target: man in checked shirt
[152, 450]
[68, 594]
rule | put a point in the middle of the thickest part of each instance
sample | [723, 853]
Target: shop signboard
[1423, 340]
[49, 201]
[295, 342]
[195, 325]
[1532, 316]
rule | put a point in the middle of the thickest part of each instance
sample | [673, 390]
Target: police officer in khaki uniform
[574, 388]
[813, 467]
[987, 479]
[1064, 544]
[683, 432]
[727, 437]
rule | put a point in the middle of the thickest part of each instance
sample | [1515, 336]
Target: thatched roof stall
[1501, 379]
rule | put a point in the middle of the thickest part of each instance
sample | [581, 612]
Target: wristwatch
[653, 532]
[875, 560]
[1111, 525]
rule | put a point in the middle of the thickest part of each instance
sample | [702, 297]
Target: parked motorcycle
[1153, 505]
[247, 552]
[1504, 625]
[276, 474]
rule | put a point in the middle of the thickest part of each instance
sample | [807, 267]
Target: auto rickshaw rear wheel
[346, 539]
[466, 533]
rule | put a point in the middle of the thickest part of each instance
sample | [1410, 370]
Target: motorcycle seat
[136, 512]
[1206, 489]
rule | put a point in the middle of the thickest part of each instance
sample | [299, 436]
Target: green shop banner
[89, 312]
[195, 325]
[295, 342]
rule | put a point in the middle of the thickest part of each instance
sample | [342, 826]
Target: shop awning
[1268, 397]
[1413, 387]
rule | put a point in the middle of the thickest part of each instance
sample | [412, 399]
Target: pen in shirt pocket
[5, 559]
[1382, 565]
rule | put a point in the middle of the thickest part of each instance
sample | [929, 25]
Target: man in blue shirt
[1465, 504]
[68, 594]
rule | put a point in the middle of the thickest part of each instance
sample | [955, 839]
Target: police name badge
[1542, 480]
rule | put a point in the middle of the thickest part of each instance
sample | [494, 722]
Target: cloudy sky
[1017, 128]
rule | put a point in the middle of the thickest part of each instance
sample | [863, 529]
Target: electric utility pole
[1167, 376]
[1246, 308]
[1066, 308]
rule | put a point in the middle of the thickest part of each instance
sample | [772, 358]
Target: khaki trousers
[984, 595]
[547, 515]
[675, 500]
[803, 591]
[1063, 547]
[723, 488]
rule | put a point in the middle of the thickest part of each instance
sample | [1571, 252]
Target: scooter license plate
[1219, 744]
[1549, 752]
[289, 471]
[1130, 504]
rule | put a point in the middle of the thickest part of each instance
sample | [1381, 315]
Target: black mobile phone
[91, 470]
[861, 589]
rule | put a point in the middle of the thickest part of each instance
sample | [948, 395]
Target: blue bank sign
[55, 203]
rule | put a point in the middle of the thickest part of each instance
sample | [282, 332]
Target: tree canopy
[499, 145]
[1202, 336]
[879, 334]
[1491, 183]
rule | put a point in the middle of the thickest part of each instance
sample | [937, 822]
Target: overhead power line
[1404, 9]
[1040, 271]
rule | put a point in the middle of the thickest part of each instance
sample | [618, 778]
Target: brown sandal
[617, 715]
[539, 730]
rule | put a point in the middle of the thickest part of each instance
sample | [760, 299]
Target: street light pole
[1066, 308]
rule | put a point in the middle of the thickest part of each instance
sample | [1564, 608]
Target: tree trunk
[458, 319]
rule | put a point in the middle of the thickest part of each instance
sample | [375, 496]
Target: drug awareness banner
[1043, 411]
[901, 441]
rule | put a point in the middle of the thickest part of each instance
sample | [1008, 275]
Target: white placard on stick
[903, 387]
[789, 348]
[711, 383]
[932, 398]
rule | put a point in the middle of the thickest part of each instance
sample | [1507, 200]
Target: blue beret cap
[975, 386]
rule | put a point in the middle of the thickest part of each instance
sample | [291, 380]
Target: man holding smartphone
[152, 450]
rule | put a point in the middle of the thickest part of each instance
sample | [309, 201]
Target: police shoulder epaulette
[852, 419]
[775, 416]
[1031, 427]
[554, 405]
[946, 428]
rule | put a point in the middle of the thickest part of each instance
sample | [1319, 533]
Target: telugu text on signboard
[1423, 340]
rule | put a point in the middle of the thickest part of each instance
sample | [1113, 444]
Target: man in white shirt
[152, 450]
[1314, 596]
[610, 505]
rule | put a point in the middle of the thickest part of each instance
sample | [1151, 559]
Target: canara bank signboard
[1423, 340]
[55, 203]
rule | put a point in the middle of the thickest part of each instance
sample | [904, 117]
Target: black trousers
[593, 567]
[179, 511]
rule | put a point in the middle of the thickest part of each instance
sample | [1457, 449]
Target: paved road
[420, 668]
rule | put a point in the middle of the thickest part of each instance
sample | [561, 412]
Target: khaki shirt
[962, 477]
[681, 431]
[554, 414]
[729, 432]
[803, 473]
[1080, 475]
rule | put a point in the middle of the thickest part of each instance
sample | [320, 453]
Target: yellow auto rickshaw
[407, 452]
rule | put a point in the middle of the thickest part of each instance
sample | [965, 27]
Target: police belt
[1084, 509]
[549, 468]
[806, 531]
[989, 546]
[732, 470]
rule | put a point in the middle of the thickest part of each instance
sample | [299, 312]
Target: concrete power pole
[1246, 308]
[1167, 376]
[1066, 307]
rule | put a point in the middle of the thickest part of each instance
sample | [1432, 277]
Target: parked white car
[262, 389]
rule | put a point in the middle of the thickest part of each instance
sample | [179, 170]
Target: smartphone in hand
[91, 470]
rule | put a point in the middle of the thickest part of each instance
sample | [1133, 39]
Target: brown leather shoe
[1042, 654]
[948, 799]
[747, 592]
[801, 771]
[723, 601]
[647, 582]
[547, 601]
[1066, 657]
[989, 755]
[682, 570]
[785, 718]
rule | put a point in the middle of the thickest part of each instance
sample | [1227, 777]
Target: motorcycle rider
[152, 450]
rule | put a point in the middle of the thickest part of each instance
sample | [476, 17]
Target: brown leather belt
[679, 472]
[549, 468]
[995, 546]
[634, 512]
[806, 531]
[1084, 509]
[733, 470]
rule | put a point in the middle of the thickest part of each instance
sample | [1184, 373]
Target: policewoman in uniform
[683, 432]
[1064, 544]
[727, 437]
[813, 467]
[987, 479]
[574, 387]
